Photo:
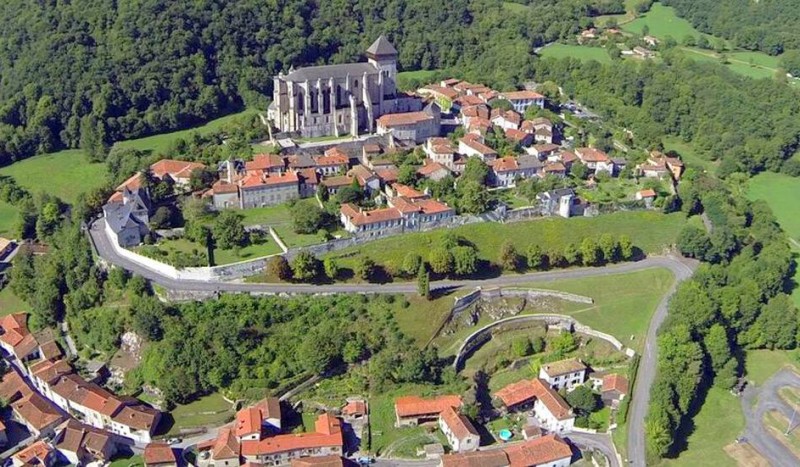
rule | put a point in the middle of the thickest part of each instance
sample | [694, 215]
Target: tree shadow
[166, 424]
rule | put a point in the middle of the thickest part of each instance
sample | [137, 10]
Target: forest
[768, 26]
[701, 103]
[87, 73]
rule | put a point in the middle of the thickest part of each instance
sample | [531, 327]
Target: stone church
[335, 100]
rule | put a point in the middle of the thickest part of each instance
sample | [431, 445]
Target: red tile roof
[495, 458]
[414, 406]
[521, 95]
[334, 159]
[369, 217]
[538, 451]
[176, 169]
[449, 93]
[473, 143]
[406, 191]
[459, 424]
[431, 168]
[387, 174]
[159, 453]
[545, 147]
[323, 461]
[615, 382]
[222, 186]
[139, 417]
[527, 390]
[591, 155]
[101, 401]
[469, 101]
[133, 183]
[226, 446]
[329, 434]
[271, 408]
[264, 162]
[517, 393]
[554, 167]
[49, 371]
[37, 411]
[35, 454]
[13, 387]
[248, 421]
[400, 119]
[648, 193]
[505, 164]
[516, 135]
[355, 408]
[252, 180]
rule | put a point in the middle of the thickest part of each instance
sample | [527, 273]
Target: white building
[458, 430]
[563, 374]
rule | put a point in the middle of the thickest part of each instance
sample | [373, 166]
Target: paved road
[598, 442]
[640, 399]
[769, 399]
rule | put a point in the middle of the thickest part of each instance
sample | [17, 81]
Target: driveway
[598, 442]
[769, 399]
[683, 269]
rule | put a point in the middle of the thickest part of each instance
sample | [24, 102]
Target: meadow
[65, 174]
[650, 231]
[581, 52]
[663, 22]
[8, 218]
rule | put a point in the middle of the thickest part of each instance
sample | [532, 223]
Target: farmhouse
[414, 410]
[614, 389]
[458, 430]
[549, 409]
[595, 159]
[472, 146]
[159, 455]
[563, 374]
[547, 451]
[178, 171]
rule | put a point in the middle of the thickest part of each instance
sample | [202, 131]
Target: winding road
[682, 269]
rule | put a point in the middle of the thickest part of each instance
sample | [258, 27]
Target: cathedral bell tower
[383, 56]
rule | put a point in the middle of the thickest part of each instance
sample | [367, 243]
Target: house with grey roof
[128, 218]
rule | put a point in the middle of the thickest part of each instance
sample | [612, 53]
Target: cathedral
[336, 100]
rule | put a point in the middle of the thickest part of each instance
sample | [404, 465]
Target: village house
[646, 195]
[159, 455]
[543, 151]
[557, 202]
[522, 100]
[334, 161]
[268, 189]
[387, 174]
[433, 171]
[614, 389]
[563, 374]
[546, 451]
[507, 120]
[82, 444]
[479, 126]
[596, 160]
[127, 213]
[548, 408]
[442, 94]
[458, 430]
[412, 126]
[661, 166]
[367, 180]
[472, 146]
[505, 171]
[39, 453]
[179, 172]
[519, 137]
[300, 161]
[468, 113]
[274, 450]
[402, 212]
[441, 151]
[39, 415]
[414, 410]
[251, 422]
[333, 100]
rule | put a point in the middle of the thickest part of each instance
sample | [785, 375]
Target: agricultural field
[65, 174]
[8, 218]
[581, 52]
[649, 231]
[780, 193]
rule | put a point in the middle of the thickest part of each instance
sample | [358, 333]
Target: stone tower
[383, 56]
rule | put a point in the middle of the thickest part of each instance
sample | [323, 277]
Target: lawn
[649, 231]
[760, 365]
[270, 247]
[663, 22]
[10, 303]
[65, 174]
[581, 52]
[780, 193]
[8, 219]
[134, 461]
[718, 423]
[211, 410]
[279, 217]
[158, 144]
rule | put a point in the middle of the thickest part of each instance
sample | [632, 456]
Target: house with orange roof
[459, 430]
[267, 188]
[159, 455]
[369, 222]
[17, 340]
[647, 195]
[546, 451]
[367, 179]
[82, 444]
[596, 160]
[433, 170]
[414, 410]
[324, 461]
[266, 163]
[472, 146]
[179, 172]
[549, 409]
[39, 415]
[522, 100]
[398, 189]
[507, 120]
[412, 126]
[440, 150]
[37, 454]
[519, 137]
[614, 390]
[505, 171]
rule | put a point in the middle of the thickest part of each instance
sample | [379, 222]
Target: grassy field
[8, 218]
[780, 193]
[760, 365]
[650, 231]
[10, 303]
[223, 256]
[718, 424]
[159, 143]
[663, 22]
[134, 461]
[688, 154]
[750, 64]
[65, 174]
[210, 410]
[580, 52]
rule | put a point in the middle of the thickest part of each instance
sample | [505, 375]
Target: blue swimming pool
[505, 434]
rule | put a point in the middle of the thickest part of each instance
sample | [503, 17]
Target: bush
[278, 266]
